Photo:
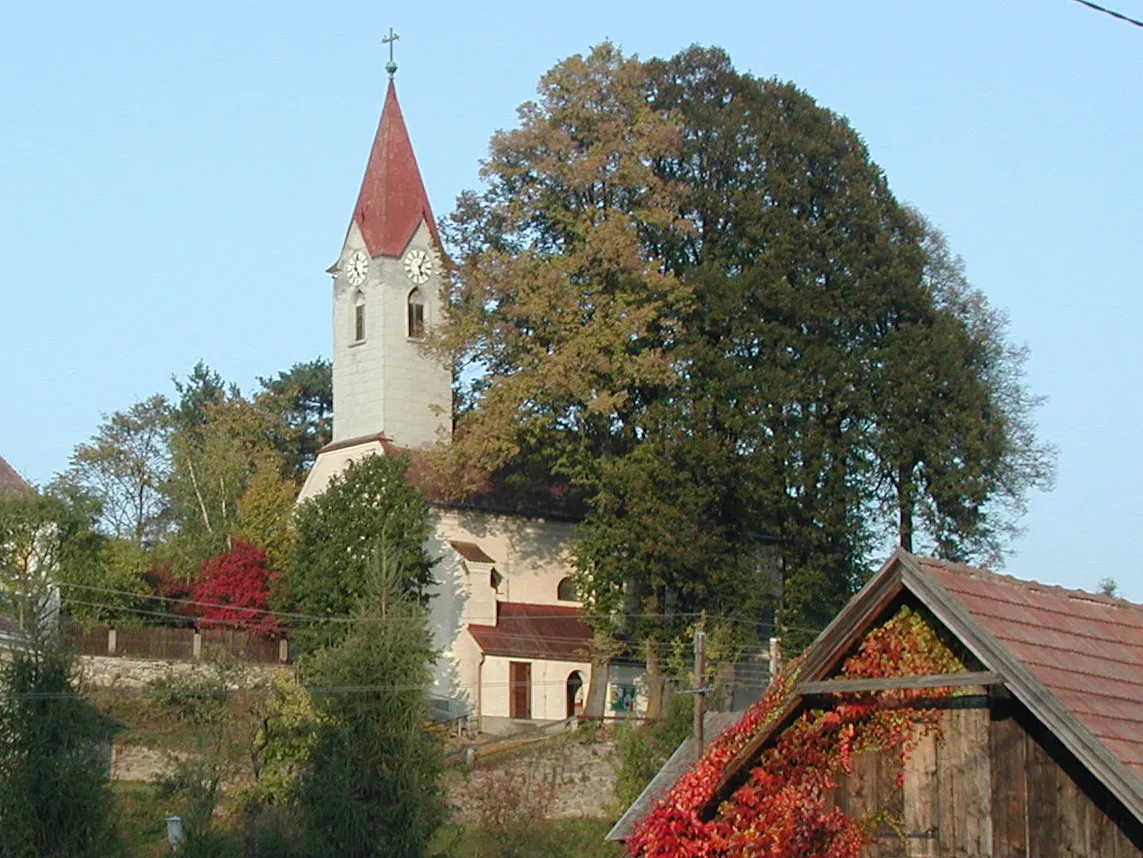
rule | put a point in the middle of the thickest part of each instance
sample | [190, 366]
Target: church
[504, 614]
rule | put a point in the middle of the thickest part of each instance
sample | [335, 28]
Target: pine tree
[369, 786]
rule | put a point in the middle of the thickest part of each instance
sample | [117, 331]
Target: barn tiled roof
[1087, 650]
[534, 631]
[1074, 659]
[10, 482]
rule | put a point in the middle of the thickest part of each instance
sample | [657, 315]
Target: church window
[359, 318]
[416, 314]
[565, 590]
[495, 579]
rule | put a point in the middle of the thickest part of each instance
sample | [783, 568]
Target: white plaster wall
[531, 554]
[387, 382]
[332, 463]
[549, 686]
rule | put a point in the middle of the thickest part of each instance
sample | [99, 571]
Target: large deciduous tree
[125, 466]
[692, 292]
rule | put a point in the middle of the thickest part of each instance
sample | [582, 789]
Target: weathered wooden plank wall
[984, 786]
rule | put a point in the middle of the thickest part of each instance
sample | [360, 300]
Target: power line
[1111, 12]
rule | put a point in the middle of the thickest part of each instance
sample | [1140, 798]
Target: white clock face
[356, 268]
[418, 266]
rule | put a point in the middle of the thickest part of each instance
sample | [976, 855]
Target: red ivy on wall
[237, 587]
[781, 811]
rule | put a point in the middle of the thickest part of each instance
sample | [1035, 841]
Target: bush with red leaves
[236, 587]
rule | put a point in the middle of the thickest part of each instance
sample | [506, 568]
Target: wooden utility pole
[700, 690]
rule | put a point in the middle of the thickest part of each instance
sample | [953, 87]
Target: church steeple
[392, 201]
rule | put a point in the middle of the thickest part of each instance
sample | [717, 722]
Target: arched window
[416, 314]
[359, 316]
[565, 591]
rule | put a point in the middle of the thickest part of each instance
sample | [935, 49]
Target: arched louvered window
[416, 314]
[359, 317]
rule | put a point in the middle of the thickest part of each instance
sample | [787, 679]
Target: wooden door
[520, 689]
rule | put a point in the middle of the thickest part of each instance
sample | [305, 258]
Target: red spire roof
[392, 201]
[11, 483]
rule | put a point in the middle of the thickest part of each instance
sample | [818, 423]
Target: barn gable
[1039, 742]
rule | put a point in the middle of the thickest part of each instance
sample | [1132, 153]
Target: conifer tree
[369, 786]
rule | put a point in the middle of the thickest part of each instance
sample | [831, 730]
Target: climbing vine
[782, 810]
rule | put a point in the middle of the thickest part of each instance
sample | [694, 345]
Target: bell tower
[387, 389]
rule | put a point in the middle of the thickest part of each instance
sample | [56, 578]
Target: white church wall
[531, 554]
[333, 462]
[549, 687]
[386, 381]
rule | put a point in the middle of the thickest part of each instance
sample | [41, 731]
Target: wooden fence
[174, 644]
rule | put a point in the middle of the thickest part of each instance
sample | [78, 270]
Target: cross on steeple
[390, 66]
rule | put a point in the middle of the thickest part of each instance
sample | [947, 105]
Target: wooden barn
[947, 711]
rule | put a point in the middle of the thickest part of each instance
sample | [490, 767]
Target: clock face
[418, 266]
[356, 267]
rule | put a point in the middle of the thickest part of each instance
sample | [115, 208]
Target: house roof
[534, 631]
[392, 201]
[1073, 659]
[11, 482]
[509, 491]
[470, 551]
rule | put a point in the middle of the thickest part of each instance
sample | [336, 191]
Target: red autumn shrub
[234, 590]
[173, 593]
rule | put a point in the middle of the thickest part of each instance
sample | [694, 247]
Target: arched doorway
[574, 694]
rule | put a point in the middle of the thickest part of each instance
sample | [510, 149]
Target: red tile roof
[1087, 650]
[10, 482]
[392, 201]
[470, 551]
[534, 631]
[1074, 659]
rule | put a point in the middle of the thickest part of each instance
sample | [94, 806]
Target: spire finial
[390, 66]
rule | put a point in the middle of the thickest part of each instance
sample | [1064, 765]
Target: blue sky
[175, 178]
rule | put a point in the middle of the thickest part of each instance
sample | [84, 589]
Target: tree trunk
[593, 706]
[905, 508]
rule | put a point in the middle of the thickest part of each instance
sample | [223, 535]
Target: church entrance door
[520, 689]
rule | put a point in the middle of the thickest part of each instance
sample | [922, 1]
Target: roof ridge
[966, 571]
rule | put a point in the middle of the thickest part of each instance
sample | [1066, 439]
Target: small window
[359, 318]
[416, 314]
[495, 580]
[565, 591]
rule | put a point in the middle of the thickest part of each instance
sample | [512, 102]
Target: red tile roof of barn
[10, 482]
[1074, 659]
[534, 631]
[392, 201]
[1087, 650]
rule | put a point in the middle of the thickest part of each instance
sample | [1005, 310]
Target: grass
[139, 814]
